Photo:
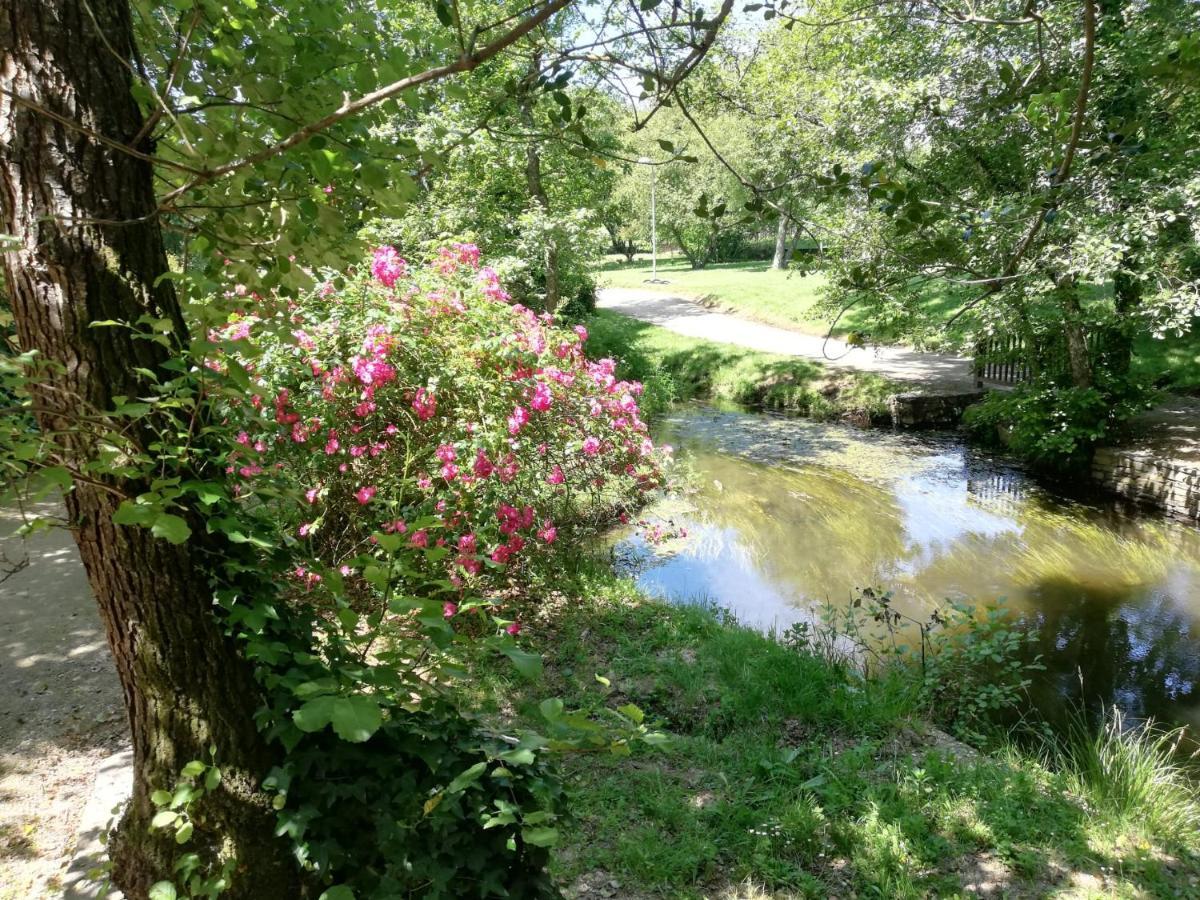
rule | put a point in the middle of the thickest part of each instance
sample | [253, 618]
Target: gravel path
[61, 717]
[937, 373]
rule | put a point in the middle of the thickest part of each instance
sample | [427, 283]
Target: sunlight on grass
[753, 289]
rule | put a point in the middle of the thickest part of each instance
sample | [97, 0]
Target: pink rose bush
[428, 429]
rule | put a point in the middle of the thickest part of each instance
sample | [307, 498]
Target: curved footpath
[934, 372]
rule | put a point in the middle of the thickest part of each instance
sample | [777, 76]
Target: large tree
[234, 125]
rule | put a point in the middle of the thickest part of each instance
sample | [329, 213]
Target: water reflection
[791, 513]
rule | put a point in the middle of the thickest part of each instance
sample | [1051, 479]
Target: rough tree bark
[89, 247]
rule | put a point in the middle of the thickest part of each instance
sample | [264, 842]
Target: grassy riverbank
[788, 776]
[675, 367]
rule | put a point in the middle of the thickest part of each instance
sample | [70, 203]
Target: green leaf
[212, 778]
[160, 798]
[163, 818]
[194, 768]
[551, 709]
[184, 833]
[337, 892]
[355, 718]
[540, 837]
[528, 664]
[631, 712]
[171, 528]
[131, 513]
[162, 890]
[315, 714]
[469, 777]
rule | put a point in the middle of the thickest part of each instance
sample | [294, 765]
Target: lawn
[786, 776]
[789, 300]
[753, 289]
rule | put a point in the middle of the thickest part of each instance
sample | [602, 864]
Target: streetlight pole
[647, 161]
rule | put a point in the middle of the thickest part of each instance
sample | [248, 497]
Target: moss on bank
[787, 776]
[675, 367]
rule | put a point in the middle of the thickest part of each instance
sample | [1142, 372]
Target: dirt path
[937, 373]
[61, 718]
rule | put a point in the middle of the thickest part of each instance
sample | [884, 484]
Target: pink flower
[489, 283]
[449, 471]
[445, 453]
[591, 445]
[282, 416]
[581, 332]
[364, 494]
[311, 495]
[425, 404]
[483, 466]
[303, 340]
[556, 475]
[467, 543]
[387, 266]
[449, 610]
[306, 529]
[542, 398]
[517, 420]
[548, 532]
[419, 538]
[514, 629]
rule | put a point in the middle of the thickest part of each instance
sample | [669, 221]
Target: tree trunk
[1078, 359]
[533, 180]
[89, 247]
[780, 260]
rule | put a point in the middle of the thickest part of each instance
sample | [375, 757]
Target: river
[789, 514]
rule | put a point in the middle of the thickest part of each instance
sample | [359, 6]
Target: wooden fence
[1004, 358]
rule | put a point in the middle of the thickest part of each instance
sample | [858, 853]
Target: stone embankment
[1160, 464]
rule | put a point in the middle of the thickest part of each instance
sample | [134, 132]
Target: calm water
[790, 514]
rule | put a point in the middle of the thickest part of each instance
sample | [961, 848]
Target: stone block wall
[917, 410]
[1140, 475]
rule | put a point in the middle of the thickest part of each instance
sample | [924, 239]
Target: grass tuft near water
[788, 776]
[1133, 773]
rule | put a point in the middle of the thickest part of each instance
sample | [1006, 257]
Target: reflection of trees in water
[821, 533]
[1104, 646]
[1112, 597]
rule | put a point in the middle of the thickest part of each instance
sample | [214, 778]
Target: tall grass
[1135, 774]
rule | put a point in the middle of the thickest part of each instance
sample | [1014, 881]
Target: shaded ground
[60, 709]
[786, 777]
[1170, 432]
[935, 371]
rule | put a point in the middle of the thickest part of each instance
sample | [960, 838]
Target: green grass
[675, 367]
[1172, 362]
[788, 300]
[788, 777]
[752, 289]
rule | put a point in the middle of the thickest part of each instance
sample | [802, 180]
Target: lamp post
[647, 161]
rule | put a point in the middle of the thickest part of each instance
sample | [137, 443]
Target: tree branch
[465, 63]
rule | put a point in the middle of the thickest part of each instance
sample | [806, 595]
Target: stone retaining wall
[1142, 476]
[919, 410]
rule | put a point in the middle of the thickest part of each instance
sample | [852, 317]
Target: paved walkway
[936, 372]
[62, 722]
